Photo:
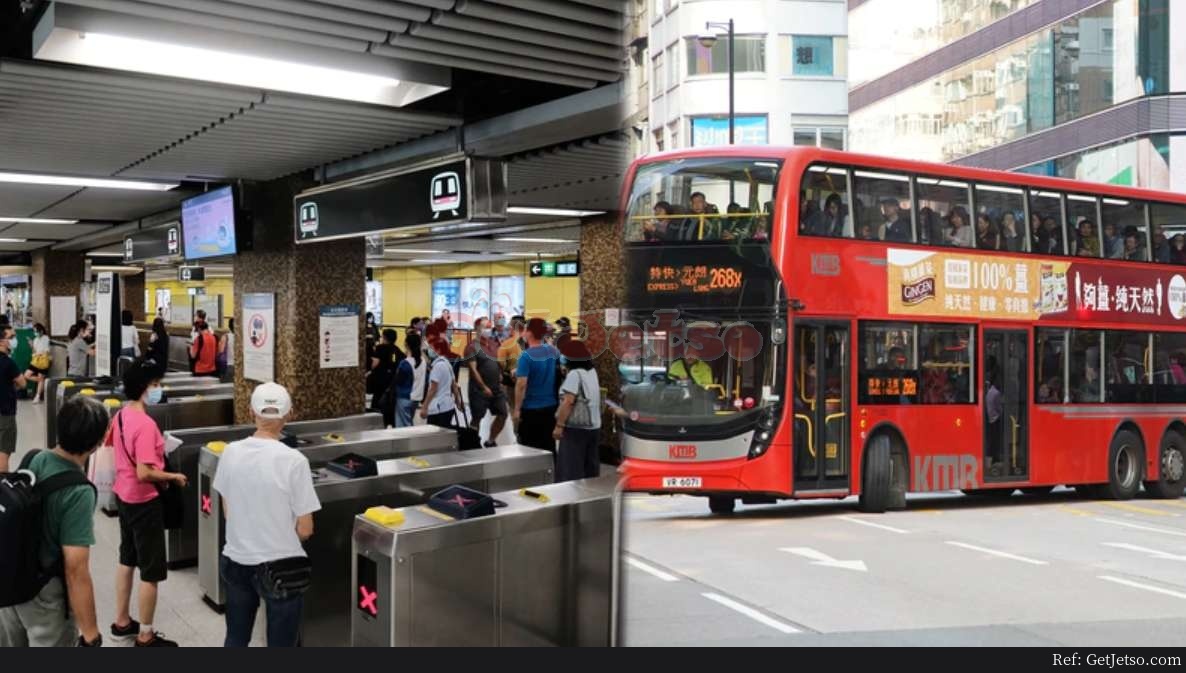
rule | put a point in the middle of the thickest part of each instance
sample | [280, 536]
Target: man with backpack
[47, 598]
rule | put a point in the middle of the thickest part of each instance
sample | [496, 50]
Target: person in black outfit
[385, 358]
[372, 339]
[158, 347]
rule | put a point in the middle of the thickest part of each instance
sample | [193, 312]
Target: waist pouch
[287, 576]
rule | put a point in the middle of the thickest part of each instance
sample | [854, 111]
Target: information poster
[339, 337]
[507, 297]
[105, 296]
[375, 300]
[63, 312]
[446, 296]
[259, 346]
[164, 305]
[475, 302]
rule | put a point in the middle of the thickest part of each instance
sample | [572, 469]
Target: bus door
[1006, 403]
[821, 404]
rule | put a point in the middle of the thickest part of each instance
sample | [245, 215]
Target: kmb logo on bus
[681, 451]
[917, 293]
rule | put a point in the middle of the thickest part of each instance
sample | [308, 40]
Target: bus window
[1127, 360]
[1085, 366]
[1169, 367]
[888, 364]
[824, 208]
[944, 206]
[1169, 233]
[1049, 347]
[1082, 233]
[947, 360]
[1004, 208]
[882, 207]
[1124, 231]
[1045, 225]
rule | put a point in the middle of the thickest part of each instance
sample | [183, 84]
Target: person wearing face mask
[372, 340]
[485, 381]
[140, 475]
[40, 362]
[79, 351]
[11, 379]
[442, 396]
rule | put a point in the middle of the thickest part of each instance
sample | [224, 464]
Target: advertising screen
[507, 297]
[208, 224]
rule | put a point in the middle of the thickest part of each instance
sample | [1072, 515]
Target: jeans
[404, 408]
[244, 589]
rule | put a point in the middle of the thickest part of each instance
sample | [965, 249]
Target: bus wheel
[1170, 483]
[720, 504]
[875, 480]
[1037, 490]
[1124, 466]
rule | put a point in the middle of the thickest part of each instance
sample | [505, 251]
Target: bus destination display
[694, 279]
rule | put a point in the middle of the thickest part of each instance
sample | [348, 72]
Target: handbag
[580, 417]
[287, 577]
[172, 499]
[40, 361]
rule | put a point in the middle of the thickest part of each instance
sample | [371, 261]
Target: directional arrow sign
[1160, 555]
[537, 270]
[818, 558]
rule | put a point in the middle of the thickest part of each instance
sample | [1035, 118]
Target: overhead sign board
[152, 244]
[449, 192]
[188, 274]
[570, 269]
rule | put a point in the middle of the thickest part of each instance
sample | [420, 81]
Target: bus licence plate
[682, 482]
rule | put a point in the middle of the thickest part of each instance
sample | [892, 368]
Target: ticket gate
[400, 482]
[60, 390]
[319, 449]
[540, 572]
[181, 545]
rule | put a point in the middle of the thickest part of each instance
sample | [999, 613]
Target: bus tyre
[720, 504]
[1172, 468]
[875, 479]
[1125, 458]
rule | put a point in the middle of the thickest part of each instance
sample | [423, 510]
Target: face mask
[431, 354]
[487, 332]
[155, 395]
[12, 344]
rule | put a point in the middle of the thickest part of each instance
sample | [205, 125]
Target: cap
[271, 400]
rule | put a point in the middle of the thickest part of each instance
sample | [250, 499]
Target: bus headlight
[764, 433]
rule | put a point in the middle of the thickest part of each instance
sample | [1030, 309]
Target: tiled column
[303, 278]
[603, 285]
[55, 274]
[133, 295]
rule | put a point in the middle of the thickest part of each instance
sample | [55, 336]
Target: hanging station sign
[152, 244]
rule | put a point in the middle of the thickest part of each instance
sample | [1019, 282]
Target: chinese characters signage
[955, 284]
[709, 131]
[699, 279]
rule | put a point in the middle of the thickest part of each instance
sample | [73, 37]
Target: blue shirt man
[535, 389]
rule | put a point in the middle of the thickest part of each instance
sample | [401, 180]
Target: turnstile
[181, 545]
[319, 449]
[541, 571]
[400, 482]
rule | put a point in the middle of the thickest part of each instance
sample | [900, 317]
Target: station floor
[181, 615]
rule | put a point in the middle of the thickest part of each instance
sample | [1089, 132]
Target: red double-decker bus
[818, 324]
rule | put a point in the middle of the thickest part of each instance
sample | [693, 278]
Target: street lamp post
[710, 40]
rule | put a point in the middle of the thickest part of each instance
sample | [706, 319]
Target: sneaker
[129, 631]
[158, 640]
[489, 445]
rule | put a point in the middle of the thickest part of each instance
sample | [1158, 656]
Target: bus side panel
[943, 443]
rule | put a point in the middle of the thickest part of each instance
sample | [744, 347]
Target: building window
[673, 136]
[816, 56]
[827, 138]
[806, 137]
[710, 131]
[750, 56]
[672, 67]
[659, 145]
[657, 81]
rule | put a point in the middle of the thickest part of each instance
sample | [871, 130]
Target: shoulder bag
[172, 499]
[580, 417]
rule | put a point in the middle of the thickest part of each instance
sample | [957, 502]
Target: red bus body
[845, 281]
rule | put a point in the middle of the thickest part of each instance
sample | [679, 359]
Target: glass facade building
[995, 91]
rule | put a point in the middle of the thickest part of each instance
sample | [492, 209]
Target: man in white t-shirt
[268, 499]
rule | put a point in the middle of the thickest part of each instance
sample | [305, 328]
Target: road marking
[863, 522]
[651, 570]
[1135, 508]
[751, 613]
[1172, 503]
[994, 552]
[819, 558]
[1146, 587]
[1155, 553]
[1152, 529]
[1075, 510]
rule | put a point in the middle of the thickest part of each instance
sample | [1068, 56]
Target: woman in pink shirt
[139, 451]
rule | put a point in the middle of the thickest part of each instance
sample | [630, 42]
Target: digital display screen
[878, 386]
[208, 224]
[700, 279]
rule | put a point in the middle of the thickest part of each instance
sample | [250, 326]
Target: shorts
[142, 538]
[8, 435]
[41, 622]
[38, 371]
[480, 405]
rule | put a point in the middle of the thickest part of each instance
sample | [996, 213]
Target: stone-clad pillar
[133, 296]
[55, 274]
[303, 278]
[603, 285]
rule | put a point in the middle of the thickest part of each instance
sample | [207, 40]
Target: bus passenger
[656, 229]
[1087, 240]
[896, 227]
[986, 233]
[1049, 238]
[830, 221]
[1010, 236]
[930, 226]
[1089, 388]
[959, 234]
[737, 225]
[1113, 243]
[1178, 249]
[708, 227]
[1132, 249]
[1161, 246]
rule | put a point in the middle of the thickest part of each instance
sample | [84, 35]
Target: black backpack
[22, 504]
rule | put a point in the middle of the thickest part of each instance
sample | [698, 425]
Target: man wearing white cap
[268, 499]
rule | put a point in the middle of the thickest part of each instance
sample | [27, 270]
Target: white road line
[1001, 554]
[651, 570]
[863, 522]
[1152, 529]
[751, 613]
[1146, 587]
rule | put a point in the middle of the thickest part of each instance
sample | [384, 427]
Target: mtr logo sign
[681, 451]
